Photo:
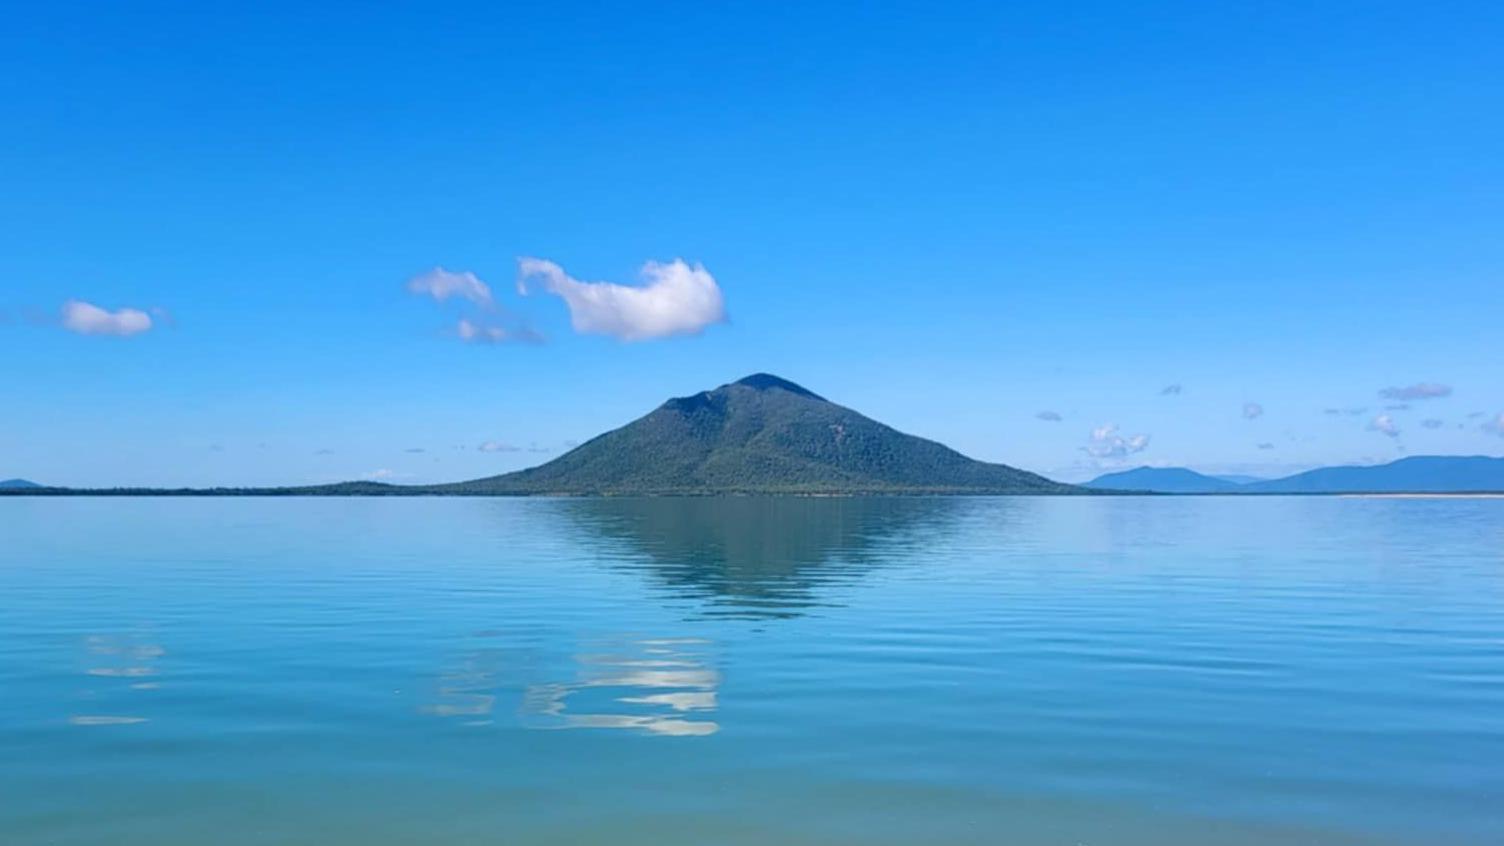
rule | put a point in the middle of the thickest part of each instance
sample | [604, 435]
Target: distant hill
[761, 434]
[16, 484]
[1162, 480]
[1417, 474]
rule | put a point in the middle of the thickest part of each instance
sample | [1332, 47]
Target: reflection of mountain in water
[759, 557]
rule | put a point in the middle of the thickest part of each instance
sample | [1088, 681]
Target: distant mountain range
[18, 484]
[1417, 474]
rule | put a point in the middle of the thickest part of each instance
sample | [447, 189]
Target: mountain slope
[1417, 474]
[761, 434]
[1162, 480]
[17, 484]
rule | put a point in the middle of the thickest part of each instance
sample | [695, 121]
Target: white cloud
[378, 475]
[1252, 410]
[89, 319]
[498, 446]
[441, 285]
[1495, 426]
[1418, 391]
[675, 299]
[1385, 424]
[1051, 416]
[1105, 442]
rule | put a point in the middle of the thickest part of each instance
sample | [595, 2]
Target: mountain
[1162, 480]
[761, 434]
[1417, 474]
[16, 484]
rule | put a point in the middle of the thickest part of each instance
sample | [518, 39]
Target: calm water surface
[882, 671]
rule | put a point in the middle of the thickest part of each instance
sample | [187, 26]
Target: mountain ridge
[1457, 474]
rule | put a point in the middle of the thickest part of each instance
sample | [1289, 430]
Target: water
[804, 671]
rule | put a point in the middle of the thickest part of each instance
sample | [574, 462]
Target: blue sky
[952, 217]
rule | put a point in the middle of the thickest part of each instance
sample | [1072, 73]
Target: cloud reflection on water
[127, 657]
[666, 683]
[469, 690]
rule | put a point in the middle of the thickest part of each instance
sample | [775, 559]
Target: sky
[296, 243]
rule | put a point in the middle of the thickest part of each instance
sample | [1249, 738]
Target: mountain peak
[767, 382]
[766, 435]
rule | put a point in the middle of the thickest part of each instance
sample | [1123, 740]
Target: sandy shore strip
[1423, 495]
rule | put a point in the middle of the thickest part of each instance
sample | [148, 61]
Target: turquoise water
[738, 671]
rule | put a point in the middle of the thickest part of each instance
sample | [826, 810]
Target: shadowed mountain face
[19, 484]
[761, 434]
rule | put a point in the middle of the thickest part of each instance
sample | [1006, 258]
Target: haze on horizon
[288, 245]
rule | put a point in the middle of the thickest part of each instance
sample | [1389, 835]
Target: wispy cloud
[1418, 391]
[486, 321]
[1347, 412]
[1384, 424]
[1399, 406]
[1432, 423]
[89, 319]
[1252, 411]
[503, 446]
[1105, 442]
[442, 284]
[1171, 390]
[483, 332]
[380, 475]
[1266, 445]
[1495, 426]
[415, 449]
[1051, 416]
[676, 299]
